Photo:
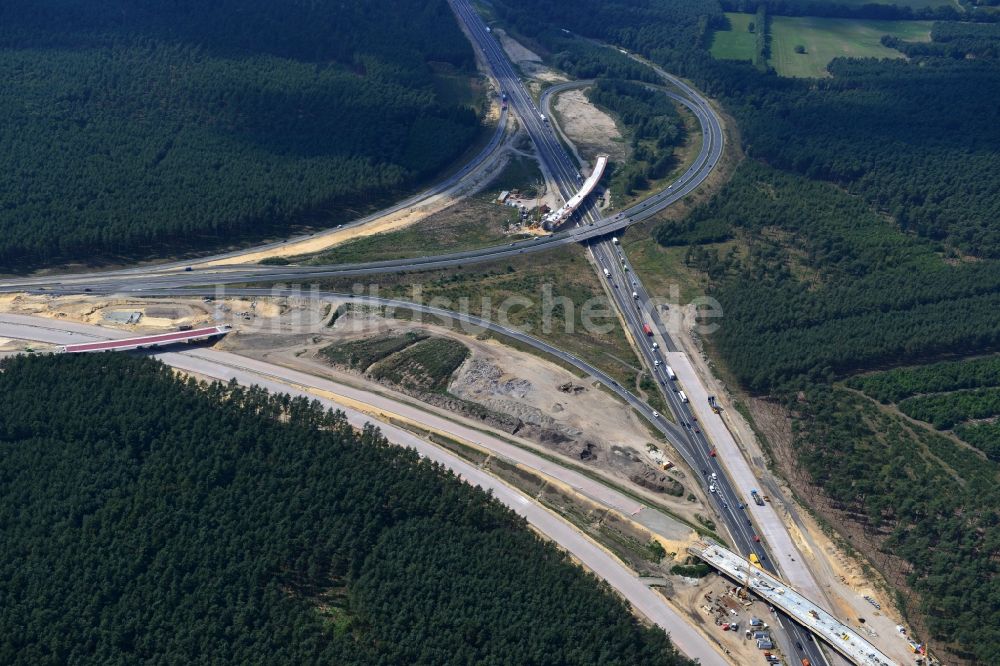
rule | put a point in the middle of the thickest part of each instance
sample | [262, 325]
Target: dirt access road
[225, 367]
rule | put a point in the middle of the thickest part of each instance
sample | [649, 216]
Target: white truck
[614, 239]
[683, 397]
[607, 273]
[670, 373]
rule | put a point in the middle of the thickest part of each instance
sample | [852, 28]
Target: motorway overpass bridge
[148, 341]
[777, 593]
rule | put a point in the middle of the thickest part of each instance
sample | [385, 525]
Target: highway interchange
[181, 278]
[637, 312]
[363, 407]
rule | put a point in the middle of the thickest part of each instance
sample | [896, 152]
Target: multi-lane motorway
[591, 228]
[638, 311]
[550, 151]
[225, 367]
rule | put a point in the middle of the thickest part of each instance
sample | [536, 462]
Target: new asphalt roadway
[225, 367]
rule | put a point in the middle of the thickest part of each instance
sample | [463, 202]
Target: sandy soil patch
[842, 576]
[247, 316]
[529, 61]
[391, 222]
[556, 410]
[590, 129]
[701, 600]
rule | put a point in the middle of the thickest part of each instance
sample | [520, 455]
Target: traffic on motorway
[626, 289]
[692, 444]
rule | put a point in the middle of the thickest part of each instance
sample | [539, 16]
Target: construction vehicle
[754, 560]
[713, 404]
[756, 498]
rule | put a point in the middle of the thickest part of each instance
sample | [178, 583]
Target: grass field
[825, 39]
[360, 354]
[427, 365]
[738, 42]
[914, 4]
[475, 222]
[485, 289]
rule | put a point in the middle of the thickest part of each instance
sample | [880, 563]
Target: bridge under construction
[777, 593]
[557, 217]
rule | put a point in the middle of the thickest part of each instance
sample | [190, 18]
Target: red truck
[647, 330]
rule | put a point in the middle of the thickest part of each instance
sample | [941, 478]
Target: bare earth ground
[399, 220]
[845, 580]
[689, 596]
[559, 411]
[404, 218]
[529, 61]
[591, 130]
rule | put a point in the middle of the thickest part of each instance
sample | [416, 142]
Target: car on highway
[756, 538]
[656, 415]
[712, 453]
[711, 488]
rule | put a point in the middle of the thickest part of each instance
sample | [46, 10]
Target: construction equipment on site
[713, 404]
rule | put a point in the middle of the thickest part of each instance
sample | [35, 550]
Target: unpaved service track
[225, 366]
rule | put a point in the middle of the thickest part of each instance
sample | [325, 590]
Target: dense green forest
[860, 234]
[951, 395]
[918, 139]
[824, 287]
[954, 40]
[946, 11]
[899, 383]
[653, 126]
[983, 436]
[917, 496]
[151, 519]
[131, 125]
[944, 410]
